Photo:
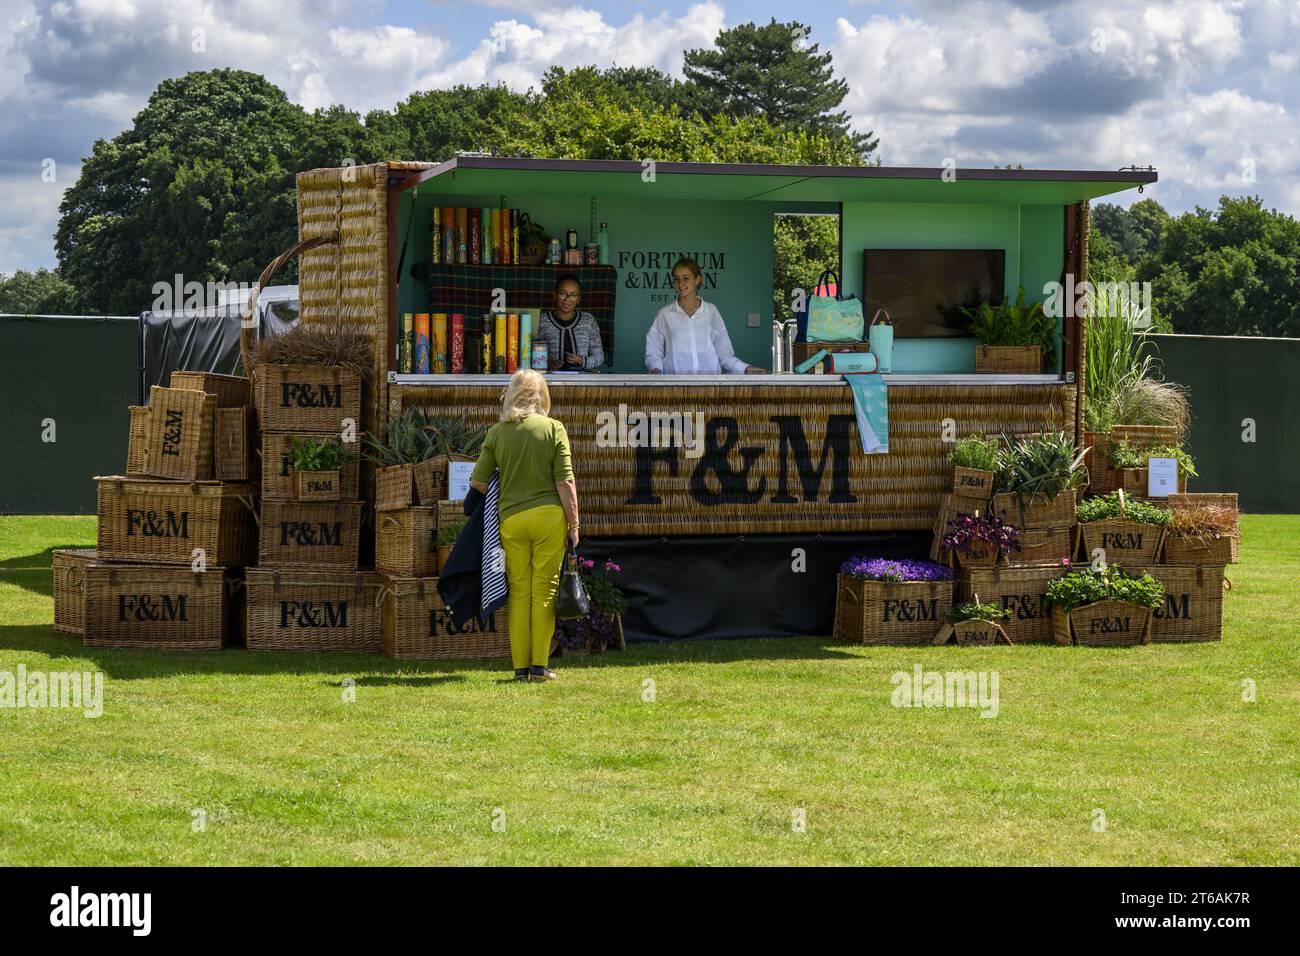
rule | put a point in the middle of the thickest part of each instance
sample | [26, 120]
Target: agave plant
[456, 436]
[1041, 465]
[408, 440]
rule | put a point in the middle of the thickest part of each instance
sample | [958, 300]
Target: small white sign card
[458, 479]
[1162, 477]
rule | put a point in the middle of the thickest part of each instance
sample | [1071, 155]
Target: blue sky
[1208, 91]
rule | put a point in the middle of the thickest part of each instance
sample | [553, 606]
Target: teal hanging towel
[871, 402]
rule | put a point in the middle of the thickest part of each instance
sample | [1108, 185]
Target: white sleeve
[656, 345]
[727, 357]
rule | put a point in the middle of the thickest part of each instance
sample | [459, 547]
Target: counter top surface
[607, 380]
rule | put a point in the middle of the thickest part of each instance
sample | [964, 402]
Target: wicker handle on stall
[250, 307]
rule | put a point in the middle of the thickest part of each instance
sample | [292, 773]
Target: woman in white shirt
[689, 335]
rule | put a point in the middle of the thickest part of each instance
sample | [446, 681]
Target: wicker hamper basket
[70, 589]
[310, 535]
[163, 522]
[406, 542]
[972, 634]
[1021, 591]
[232, 391]
[182, 426]
[307, 397]
[1193, 608]
[1221, 499]
[883, 612]
[235, 442]
[1009, 359]
[432, 478]
[159, 607]
[1102, 624]
[277, 465]
[416, 625]
[1040, 511]
[137, 449]
[395, 488]
[313, 611]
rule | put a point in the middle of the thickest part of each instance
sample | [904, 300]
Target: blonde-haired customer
[538, 505]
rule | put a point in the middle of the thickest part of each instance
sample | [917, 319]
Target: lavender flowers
[888, 569]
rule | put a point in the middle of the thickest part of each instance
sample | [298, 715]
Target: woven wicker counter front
[779, 453]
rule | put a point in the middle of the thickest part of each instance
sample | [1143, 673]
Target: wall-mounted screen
[924, 290]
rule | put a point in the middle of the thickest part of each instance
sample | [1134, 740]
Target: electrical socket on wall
[753, 320]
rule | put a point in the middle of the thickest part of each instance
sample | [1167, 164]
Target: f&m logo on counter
[716, 480]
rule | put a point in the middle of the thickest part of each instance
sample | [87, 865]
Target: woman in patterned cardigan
[572, 338]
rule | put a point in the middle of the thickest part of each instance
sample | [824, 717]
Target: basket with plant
[886, 601]
[1131, 462]
[317, 468]
[1226, 500]
[975, 461]
[407, 442]
[1117, 528]
[453, 439]
[447, 535]
[1201, 534]
[1015, 337]
[977, 541]
[1037, 484]
[602, 628]
[1103, 607]
[974, 623]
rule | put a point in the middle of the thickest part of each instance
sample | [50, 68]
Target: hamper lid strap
[419, 588]
[275, 581]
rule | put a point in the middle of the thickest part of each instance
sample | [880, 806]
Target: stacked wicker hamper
[175, 531]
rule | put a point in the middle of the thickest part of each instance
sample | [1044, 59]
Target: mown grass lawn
[740, 736]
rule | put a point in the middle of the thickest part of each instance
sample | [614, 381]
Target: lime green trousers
[533, 541]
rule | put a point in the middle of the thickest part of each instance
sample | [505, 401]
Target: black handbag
[571, 600]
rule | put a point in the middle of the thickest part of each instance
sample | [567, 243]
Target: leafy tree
[1234, 273]
[803, 247]
[196, 186]
[1134, 232]
[771, 72]
[645, 87]
[42, 292]
[434, 125]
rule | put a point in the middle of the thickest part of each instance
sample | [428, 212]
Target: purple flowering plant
[888, 569]
[971, 532]
[597, 630]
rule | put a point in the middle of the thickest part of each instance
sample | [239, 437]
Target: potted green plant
[978, 540]
[317, 468]
[407, 442]
[1015, 337]
[974, 623]
[1120, 529]
[446, 539]
[1103, 607]
[602, 628]
[453, 439]
[1038, 481]
[532, 241]
[975, 461]
[1131, 462]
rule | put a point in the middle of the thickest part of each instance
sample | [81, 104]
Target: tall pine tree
[772, 72]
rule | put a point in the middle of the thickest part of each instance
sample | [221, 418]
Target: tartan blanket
[468, 289]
